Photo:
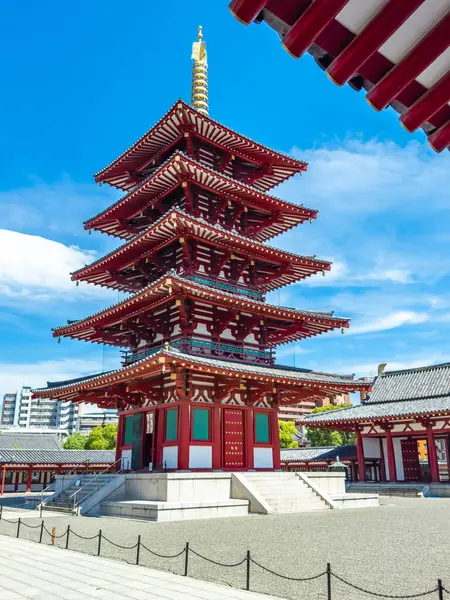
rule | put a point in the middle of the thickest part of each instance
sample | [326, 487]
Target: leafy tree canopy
[287, 430]
[329, 437]
[100, 438]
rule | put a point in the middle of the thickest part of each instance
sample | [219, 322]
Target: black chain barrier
[287, 576]
[248, 560]
[82, 537]
[214, 562]
[360, 589]
[164, 555]
[118, 545]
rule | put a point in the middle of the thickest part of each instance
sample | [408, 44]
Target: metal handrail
[75, 504]
[63, 487]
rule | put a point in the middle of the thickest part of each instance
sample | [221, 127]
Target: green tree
[75, 442]
[102, 438]
[287, 430]
[329, 437]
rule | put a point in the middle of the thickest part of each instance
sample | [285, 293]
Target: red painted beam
[440, 139]
[371, 38]
[246, 11]
[432, 45]
[310, 25]
[427, 105]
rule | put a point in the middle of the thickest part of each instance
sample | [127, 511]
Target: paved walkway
[36, 571]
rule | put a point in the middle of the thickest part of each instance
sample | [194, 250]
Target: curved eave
[397, 52]
[163, 290]
[333, 384]
[170, 175]
[168, 229]
[171, 126]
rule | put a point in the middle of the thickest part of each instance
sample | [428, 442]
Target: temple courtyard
[398, 548]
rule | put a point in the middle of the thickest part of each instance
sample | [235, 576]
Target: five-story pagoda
[199, 387]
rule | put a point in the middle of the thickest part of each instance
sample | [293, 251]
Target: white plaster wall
[201, 328]
[263, 458]
[125, 462]
[371, 448]
[398, 458]
[200, 457]
[386, 465]
[170, 457]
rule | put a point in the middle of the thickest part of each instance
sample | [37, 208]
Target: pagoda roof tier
[176, 223]
[284, 324]
[183, 119]
[181, 170]
[110, 385]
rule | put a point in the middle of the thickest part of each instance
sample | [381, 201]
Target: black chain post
[67, 536]
[186, 559]
[42, 532]
[440, 588]
[247, 586]
[328, 581]
[138, 549]
[18, 528]
[99, 542]
[1, 511]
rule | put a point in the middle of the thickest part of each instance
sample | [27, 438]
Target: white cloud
[33, 266]
[15, 375]
[390, 321]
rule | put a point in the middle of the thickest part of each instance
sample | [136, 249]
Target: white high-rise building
[21, 410]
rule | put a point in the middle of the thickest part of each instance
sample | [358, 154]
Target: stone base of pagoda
[175, 497]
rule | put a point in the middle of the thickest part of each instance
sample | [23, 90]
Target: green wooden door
[136, 444]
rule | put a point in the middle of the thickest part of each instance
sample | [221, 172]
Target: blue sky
[83, 84]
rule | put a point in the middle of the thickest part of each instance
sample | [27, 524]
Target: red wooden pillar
[160, 424]
[275, 440]
[119, 437]
[432, 454]
[360, 456]
[249, 439]
[217, 437]
[29, 477]
[183, 436]
[382, 462]
[447, 454]
[390, 456]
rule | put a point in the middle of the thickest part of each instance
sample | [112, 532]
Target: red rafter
[434, 43]
[427, 105]
[379, 29]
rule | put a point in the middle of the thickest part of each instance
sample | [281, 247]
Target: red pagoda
[199, 388]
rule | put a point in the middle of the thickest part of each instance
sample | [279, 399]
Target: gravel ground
[402, 547]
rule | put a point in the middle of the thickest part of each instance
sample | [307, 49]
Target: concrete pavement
[38, 571]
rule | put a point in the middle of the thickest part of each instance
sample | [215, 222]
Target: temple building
[199, 388]
[402, 428]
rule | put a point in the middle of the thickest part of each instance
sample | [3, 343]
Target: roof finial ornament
[200, 75]
[381, 368]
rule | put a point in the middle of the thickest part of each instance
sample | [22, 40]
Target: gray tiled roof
[424, 382]
[61, 457]
[273, 371]
[382, 409]
[317, 453]
[29, 441]
[398, 393]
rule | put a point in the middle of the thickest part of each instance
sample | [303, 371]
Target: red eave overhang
[170, 285]
[180, 168]
[180, 118]
[397, 51]
[159, 363]
[177, 223]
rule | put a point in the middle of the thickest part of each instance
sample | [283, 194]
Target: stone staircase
[387, 489]
[85, 485]
[285, 492]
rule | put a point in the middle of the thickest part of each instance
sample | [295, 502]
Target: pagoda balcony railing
[227, 287]
[226, 350]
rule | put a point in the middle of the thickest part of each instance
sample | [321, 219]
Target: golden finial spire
[200, 75]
